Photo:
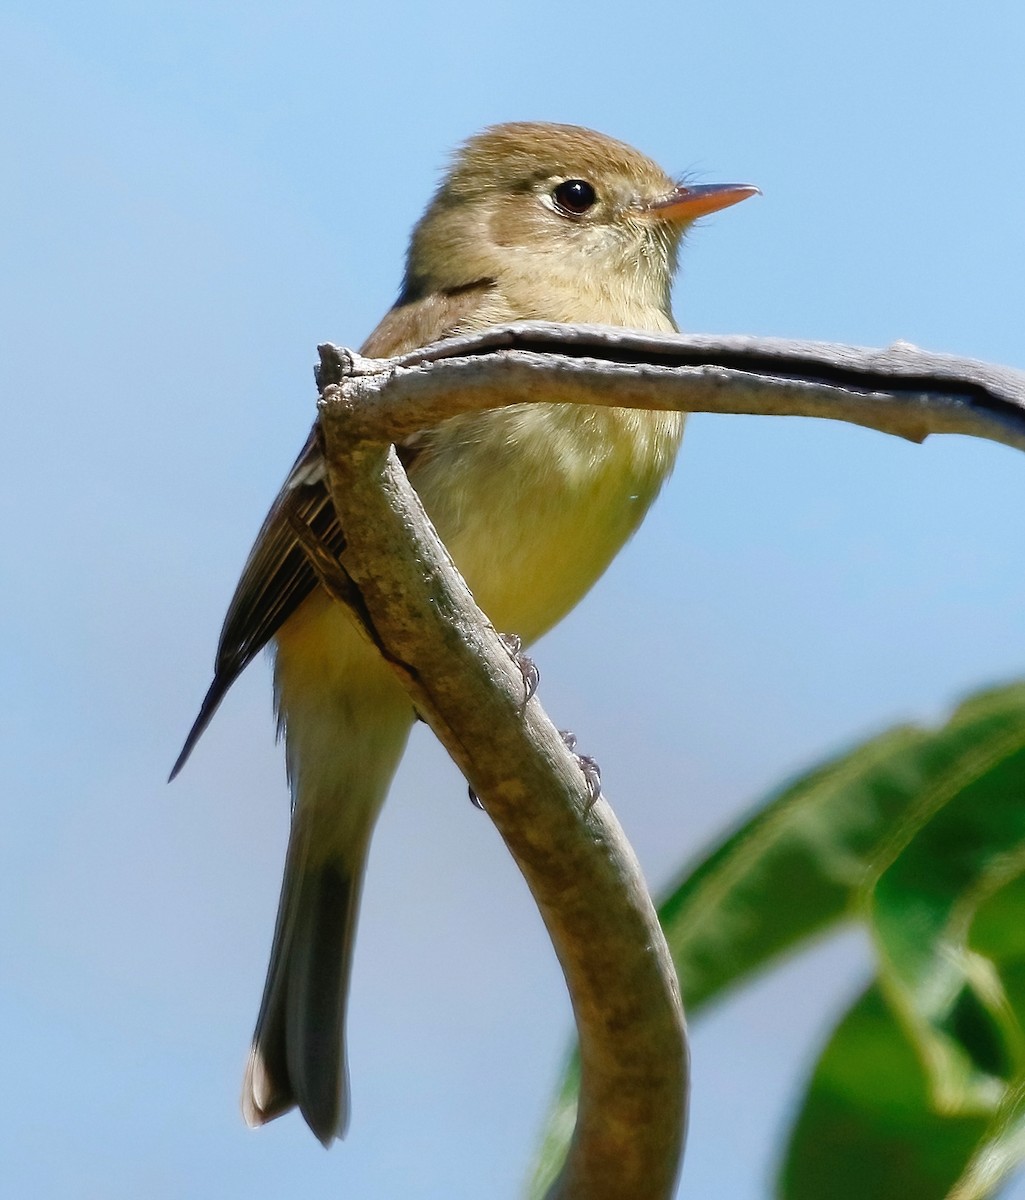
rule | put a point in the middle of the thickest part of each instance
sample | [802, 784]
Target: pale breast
[534, 501]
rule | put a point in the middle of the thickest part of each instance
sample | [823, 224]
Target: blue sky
[193, 197]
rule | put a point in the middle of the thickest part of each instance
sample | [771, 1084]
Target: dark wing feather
[276, 579]
[277, 576]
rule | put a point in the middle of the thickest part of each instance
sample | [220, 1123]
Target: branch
[402, 585]
[578, 864]
[901, 390]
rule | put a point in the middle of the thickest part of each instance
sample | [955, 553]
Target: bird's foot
[527, 667]
[588, 766]
[531, 678]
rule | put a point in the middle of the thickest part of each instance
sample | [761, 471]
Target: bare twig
[901, 390]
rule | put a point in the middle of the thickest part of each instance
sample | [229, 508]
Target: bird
[533, 221]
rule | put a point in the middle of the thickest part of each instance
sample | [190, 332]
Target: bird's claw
[588, 766]
[527, 667]
[531, 678]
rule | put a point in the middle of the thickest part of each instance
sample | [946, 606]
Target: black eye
[574, 196]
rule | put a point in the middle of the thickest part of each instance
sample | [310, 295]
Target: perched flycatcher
[533, 221]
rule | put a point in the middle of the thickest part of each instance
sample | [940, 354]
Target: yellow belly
[534, 501]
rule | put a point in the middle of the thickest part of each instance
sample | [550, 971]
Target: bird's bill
[689, 203]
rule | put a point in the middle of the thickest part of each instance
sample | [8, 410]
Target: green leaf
[866, 1130]
[801, 862]
[1001, 1151]
[558, 1132]
[964, 840]
[791, 870]
[999, 932]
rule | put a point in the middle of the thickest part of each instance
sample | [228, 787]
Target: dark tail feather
[298, 1051]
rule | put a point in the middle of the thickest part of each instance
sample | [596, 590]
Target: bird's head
[569, 224]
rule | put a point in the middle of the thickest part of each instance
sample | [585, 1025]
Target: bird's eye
[574, 196]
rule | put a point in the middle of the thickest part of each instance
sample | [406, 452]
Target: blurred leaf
[802, 861]
[558, 1132]
[968, 834]
[1001, 1151]
[866, 1128]
[999, 933]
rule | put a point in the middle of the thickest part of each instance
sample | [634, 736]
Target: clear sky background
[195, 195]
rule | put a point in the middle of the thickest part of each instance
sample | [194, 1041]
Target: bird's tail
[298, 1051]
[346, 720]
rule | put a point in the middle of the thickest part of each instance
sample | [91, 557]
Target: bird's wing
[277, 576]
[276, 579]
